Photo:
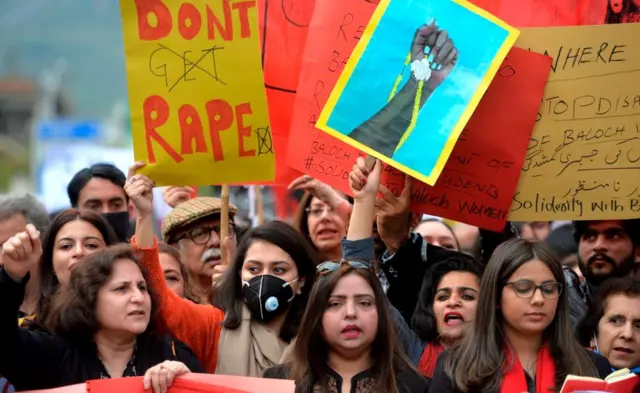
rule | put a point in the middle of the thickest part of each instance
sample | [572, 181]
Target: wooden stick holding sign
[259, 205]
[224, 222]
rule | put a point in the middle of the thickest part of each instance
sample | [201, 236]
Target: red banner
[541, 13]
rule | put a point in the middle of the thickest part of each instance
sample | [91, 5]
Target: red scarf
[429, 358]
[514, 379]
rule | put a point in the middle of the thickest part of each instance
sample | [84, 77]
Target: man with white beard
[194, 227]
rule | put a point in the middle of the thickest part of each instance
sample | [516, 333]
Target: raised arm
[364, 184]
[325, 193]
[29, 360]
[196, 325]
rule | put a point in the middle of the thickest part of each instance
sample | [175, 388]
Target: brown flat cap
[191, 211]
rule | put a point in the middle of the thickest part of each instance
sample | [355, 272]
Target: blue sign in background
[69, 129]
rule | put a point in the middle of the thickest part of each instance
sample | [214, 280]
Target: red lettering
[156, 113]
[190, 129]
[220, 118]
[189, 13]
[243, 131]
[213, 23]
[162, 15]
[189, 20]
[243, 11]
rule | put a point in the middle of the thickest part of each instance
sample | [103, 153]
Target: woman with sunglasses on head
[522, 339]
[448, 296]
[347, 341]
[261, 296]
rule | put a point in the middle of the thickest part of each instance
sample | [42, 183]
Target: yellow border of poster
[462, 121]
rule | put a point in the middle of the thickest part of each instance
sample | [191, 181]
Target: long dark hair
[424, 319]
[477, 363]
[588, 328]
[72, 311]
[48, 280]
[229, 293]
[309, 366]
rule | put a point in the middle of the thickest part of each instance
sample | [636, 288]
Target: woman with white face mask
[260, 301]
[104, 321]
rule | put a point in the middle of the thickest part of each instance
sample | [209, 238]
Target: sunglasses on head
[355, 263]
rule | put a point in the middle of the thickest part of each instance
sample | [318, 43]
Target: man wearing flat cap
[194, 227]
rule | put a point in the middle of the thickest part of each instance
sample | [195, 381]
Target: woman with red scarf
[447, 305]
[521, 340]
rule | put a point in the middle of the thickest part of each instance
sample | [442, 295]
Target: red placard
[478, 181]
[540, 13]
[283, 33]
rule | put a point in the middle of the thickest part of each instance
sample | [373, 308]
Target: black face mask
[120, 223]
[267, 296]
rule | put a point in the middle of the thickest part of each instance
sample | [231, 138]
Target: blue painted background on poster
[477, 39]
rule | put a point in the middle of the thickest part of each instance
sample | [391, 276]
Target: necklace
[530, 368]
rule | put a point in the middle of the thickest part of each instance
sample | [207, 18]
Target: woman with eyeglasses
[347, 342]
[260, 298]
[522, 340]
[322, 216]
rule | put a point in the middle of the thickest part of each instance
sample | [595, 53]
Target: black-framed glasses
[525, 289]
[331, 266]
[202, 235]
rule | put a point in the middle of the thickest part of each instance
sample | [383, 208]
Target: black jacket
[38, 360]
[408, 381]
[405, 271]
[579, 296]
[441, 383]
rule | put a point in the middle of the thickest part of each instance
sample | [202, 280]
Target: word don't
[155, 20]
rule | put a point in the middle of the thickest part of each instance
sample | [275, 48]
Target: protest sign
[539, 13]
[478, 181]
[196, 91]
[283, 28]
[336, 27]
[414, 79]
[194, 382]
[78, 388]
[497, 132]
[583, 159]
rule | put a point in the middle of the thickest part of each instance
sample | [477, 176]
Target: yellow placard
[583, 159]
[196, 90]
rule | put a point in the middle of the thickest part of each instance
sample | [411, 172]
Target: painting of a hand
[442, 53]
